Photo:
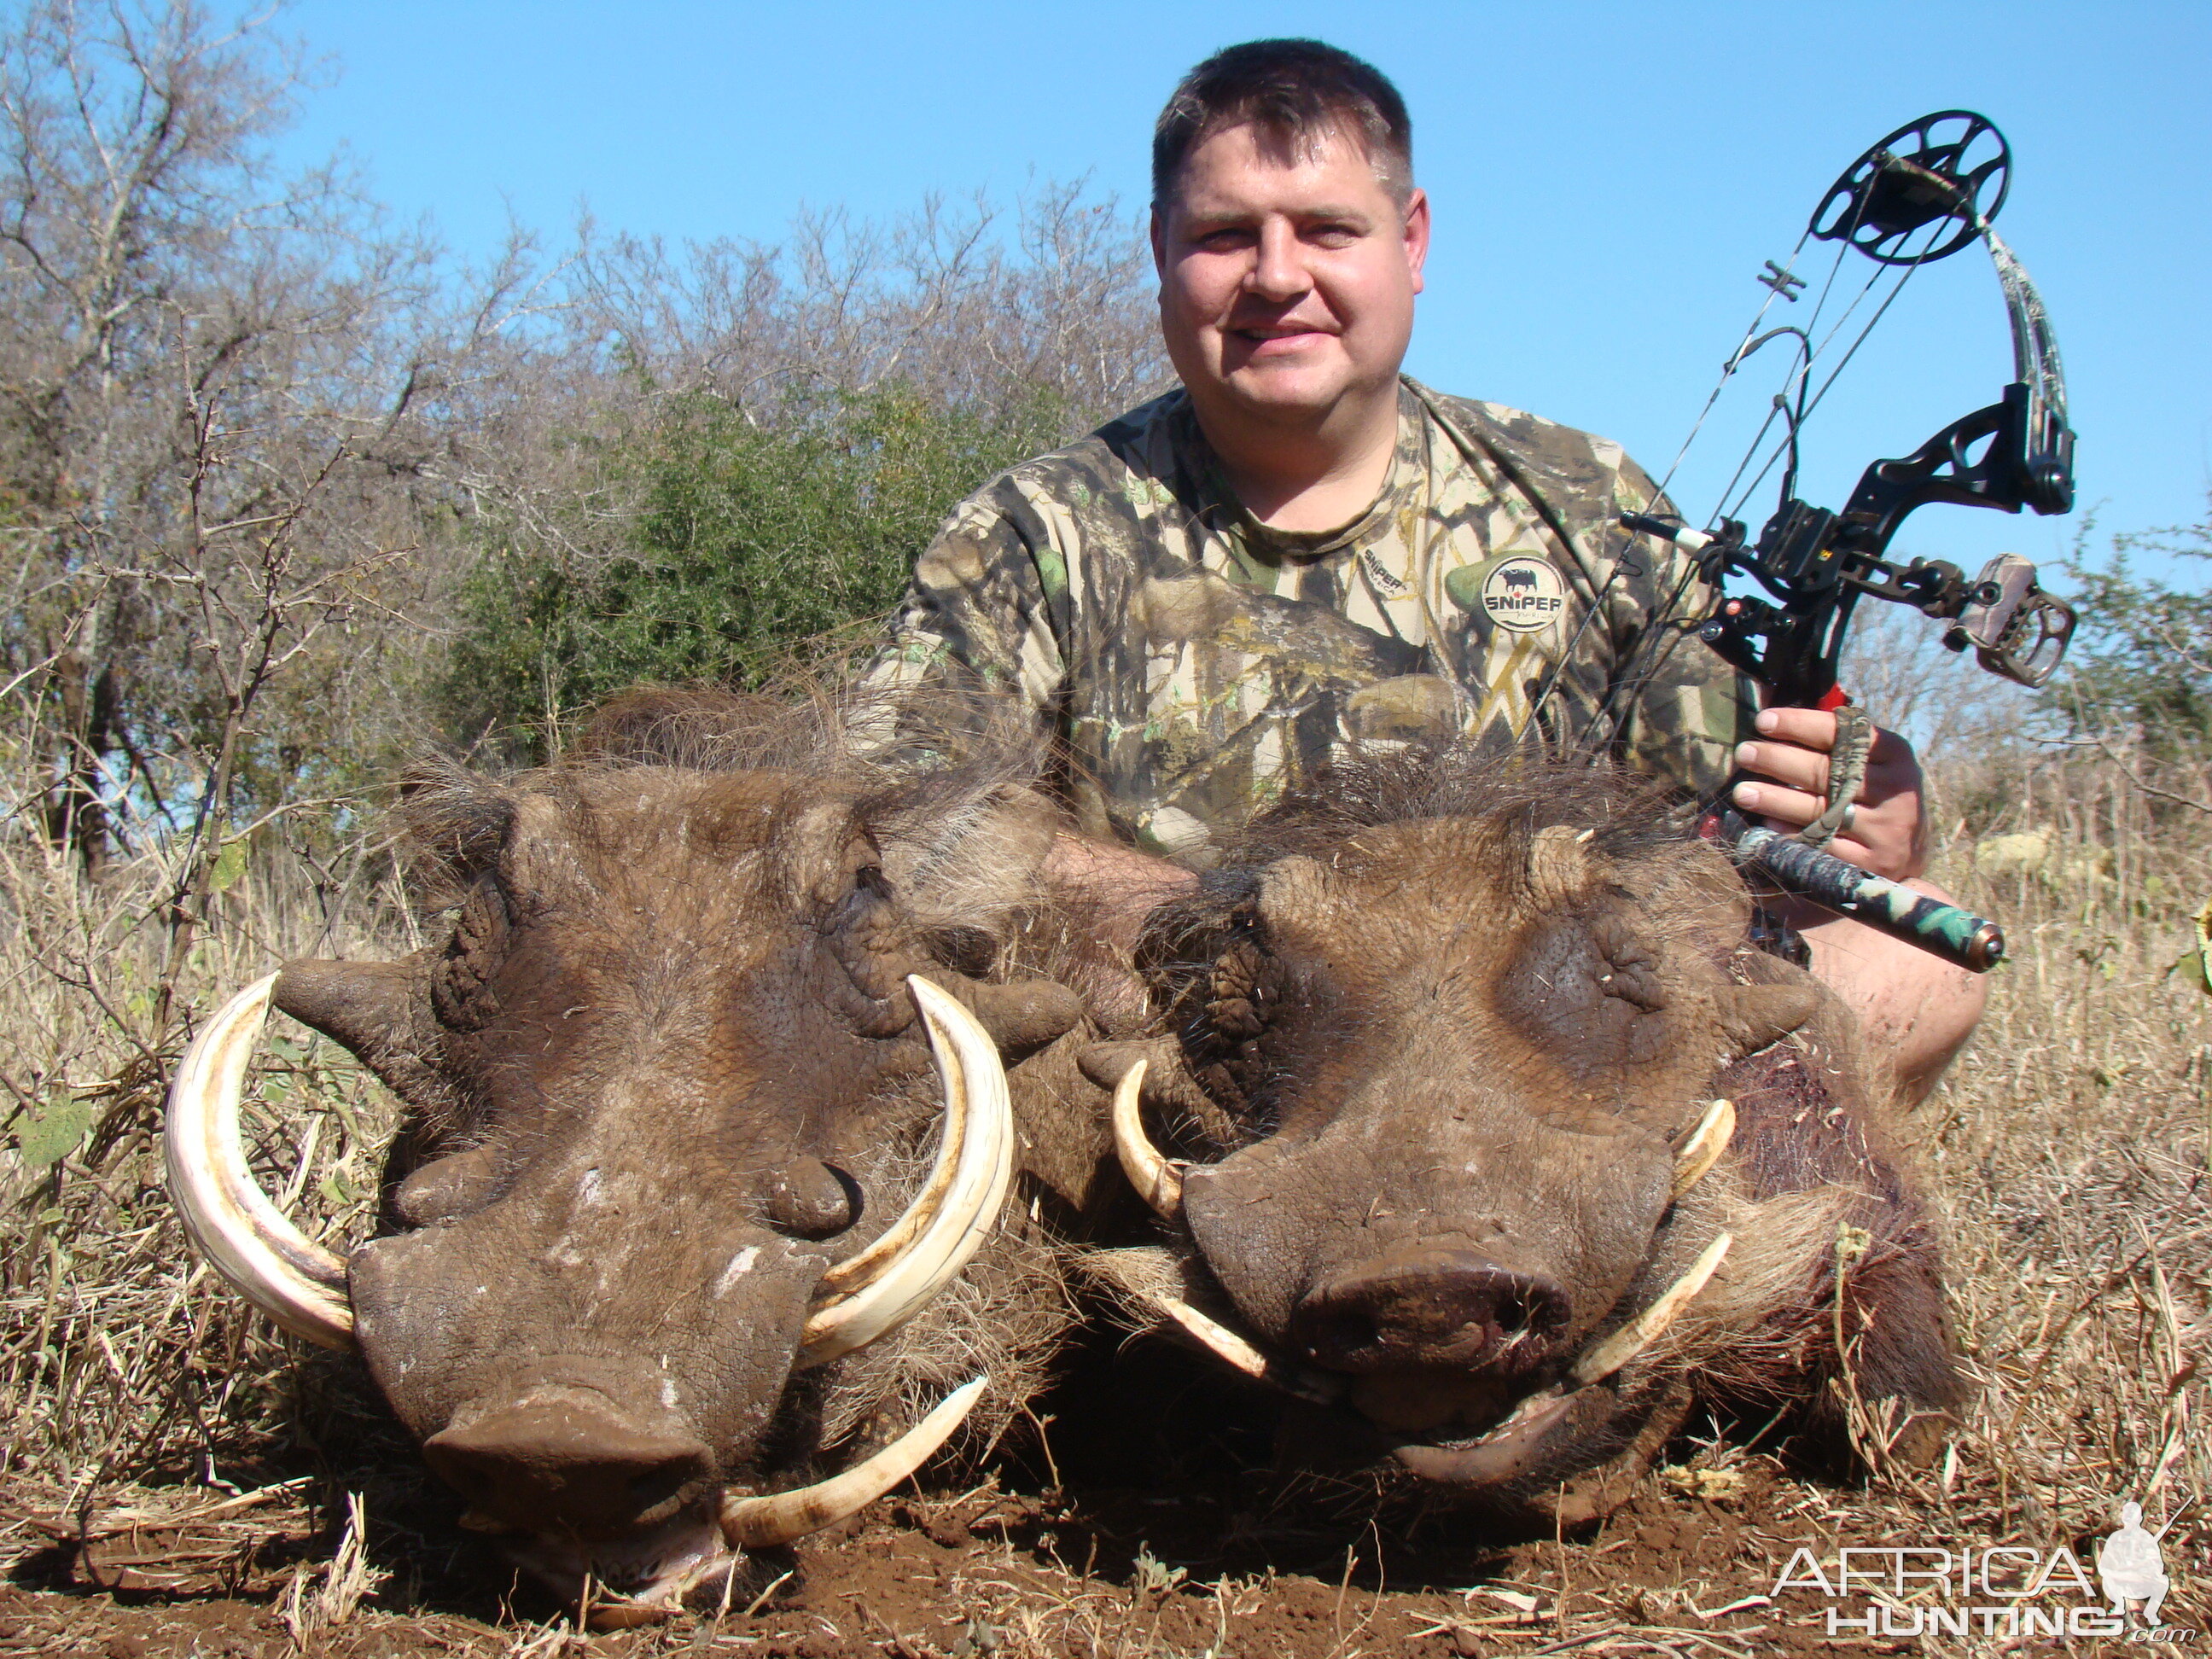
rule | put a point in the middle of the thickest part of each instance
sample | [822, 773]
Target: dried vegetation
[171, 1459]
[246, 466]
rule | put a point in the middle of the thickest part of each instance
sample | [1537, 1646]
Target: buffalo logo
[1523, 594]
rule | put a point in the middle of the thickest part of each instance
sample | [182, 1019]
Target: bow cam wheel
[1949, 170]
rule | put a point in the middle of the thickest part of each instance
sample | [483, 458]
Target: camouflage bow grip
[1950, 933]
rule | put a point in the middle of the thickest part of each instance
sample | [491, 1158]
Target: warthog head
[1502, 1138]
[668, 1161]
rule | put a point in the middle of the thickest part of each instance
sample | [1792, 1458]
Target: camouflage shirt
[1194, 663]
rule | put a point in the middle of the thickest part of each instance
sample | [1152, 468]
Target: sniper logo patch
[1523, 595]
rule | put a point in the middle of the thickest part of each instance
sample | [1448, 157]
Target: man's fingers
[1786, 763]
[1815, 728]
[1793, 808]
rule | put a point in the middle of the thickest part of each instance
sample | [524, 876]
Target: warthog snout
[1430, 1306]
[570, 1461]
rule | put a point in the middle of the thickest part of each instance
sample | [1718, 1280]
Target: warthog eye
[864, 905]
[968, 950]
[1587, 991]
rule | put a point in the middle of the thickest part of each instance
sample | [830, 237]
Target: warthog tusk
[230, 1221]
[762, 1522]
[1640, 1332]
[1244, 1357]
[1156, 1179]
[958, 1205]
[1704, 1147]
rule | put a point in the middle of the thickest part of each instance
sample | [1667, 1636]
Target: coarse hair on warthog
[665, 1226]
[1499, 1146]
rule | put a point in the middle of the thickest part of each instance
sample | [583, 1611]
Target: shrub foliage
[752, 543]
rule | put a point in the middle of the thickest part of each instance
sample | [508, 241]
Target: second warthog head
[1451, 1050]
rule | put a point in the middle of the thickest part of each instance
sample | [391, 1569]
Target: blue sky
[1607, 179]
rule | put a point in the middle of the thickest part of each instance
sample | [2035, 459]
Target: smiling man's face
[1286, 281]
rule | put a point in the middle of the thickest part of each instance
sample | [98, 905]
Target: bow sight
[1923, 193]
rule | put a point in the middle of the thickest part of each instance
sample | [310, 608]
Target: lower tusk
[762, 1522]
[1243, 1357]
[1156, 1180]
[229, 1220]
[944, 1226]
[1640, 1332]
[1704, 1147]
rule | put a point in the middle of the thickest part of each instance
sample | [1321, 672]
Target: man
[1299, 548]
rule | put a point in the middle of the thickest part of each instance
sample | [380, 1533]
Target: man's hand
[1887, 834]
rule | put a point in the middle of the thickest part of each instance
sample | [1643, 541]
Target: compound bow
[1923, 193]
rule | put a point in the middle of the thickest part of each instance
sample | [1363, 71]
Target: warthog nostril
[1430, 1306]
[568, 1462]
[1327, 1336]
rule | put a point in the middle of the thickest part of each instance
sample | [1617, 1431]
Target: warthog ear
[456, 823]
[377, 1011]
[1753, 1015]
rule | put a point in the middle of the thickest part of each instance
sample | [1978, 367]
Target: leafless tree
[229, 397]
[223, 395]
[952, 302]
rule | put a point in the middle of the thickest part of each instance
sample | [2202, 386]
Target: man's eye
[1225, 241]
[1334, 236]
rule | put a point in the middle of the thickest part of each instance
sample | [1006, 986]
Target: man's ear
[1416, 233]
[1158, 233]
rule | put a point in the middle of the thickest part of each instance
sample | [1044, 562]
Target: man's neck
[1305, 479]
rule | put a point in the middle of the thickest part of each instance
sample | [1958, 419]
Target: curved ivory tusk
[1640, 1332]
[230, 1221]
[1156, 1180]
[1705, 1145]
[862, 1267]
[1241, 1356]
[943, 1227]
[762, 1522]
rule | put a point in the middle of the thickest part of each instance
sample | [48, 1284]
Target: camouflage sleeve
[977, 615]
[1684, 709]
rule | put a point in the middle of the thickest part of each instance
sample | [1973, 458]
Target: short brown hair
[1295, 92]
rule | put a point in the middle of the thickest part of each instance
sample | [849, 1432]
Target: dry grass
[160, 1437]
[120, 1362]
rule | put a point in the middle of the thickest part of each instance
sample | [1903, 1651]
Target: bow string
[1924, 192]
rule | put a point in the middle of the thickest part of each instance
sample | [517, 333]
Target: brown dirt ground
[1213, 1555]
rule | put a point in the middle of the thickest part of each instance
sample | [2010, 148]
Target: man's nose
[1278, 273]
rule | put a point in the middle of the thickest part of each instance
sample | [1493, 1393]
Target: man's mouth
[1280, 336]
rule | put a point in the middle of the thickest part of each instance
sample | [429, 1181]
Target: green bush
[2142, 662]
[754, 548]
